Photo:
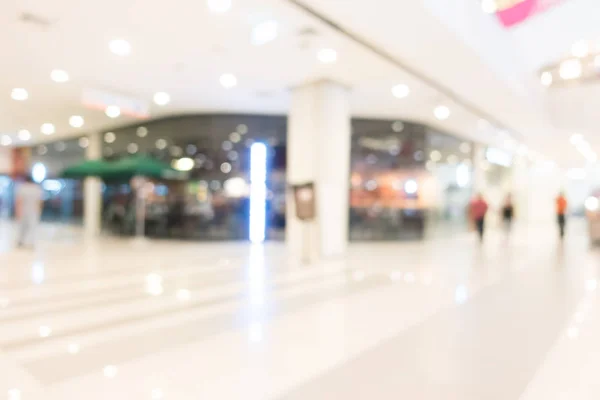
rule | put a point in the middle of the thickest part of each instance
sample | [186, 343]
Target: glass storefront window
[406, 180]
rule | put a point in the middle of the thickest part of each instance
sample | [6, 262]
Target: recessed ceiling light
[48, 129]
[546, 78]
[19, 94]
[228, 81]
[132, 148]
[576, 138]
[112, 111]
[120, 47]
[24, 135]
[401, 91]
[219, 6]
[570, 69]
[109, 137]
[162, 98]
[489, 6]
[142, 131]
[73, 348]
[84, 142]
[264, 32]
[157, 394]
[59, 76]
[327, 56]
[14, 394]
[5, 140]
[441, 112]
[76, 121]
[580, 49]
[44, 331]
[110, 371]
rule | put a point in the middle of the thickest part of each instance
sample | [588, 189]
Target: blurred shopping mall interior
[274, 199]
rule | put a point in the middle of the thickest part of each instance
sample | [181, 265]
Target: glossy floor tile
[514, 318]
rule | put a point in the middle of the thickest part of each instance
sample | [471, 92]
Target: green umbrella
[145, 166]
[87, 168]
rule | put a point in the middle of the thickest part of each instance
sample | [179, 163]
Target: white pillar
[92, 191]
[318, 150]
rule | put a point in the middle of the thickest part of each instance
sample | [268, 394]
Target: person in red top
[561, 212]
[479, 208]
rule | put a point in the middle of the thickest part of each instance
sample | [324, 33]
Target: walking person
[508, 212]
[561, 212]
[28, 210]
[479, 208]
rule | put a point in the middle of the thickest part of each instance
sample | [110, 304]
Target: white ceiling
[181, 48]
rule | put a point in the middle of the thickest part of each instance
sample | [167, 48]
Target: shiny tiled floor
[445, 319]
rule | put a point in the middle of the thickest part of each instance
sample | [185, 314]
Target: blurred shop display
[408, 181]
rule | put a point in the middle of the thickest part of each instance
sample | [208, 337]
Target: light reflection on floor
[106, 319]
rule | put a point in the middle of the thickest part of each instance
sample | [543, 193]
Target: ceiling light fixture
[19, 94]
[73, 348]
[24, 135]
[112, 111]
[580, 49]
[441, 112]
[570, 69]
[5, 140]
[162, 98]
[327, 56]
[76, 121]
[576, 139]
[228, 81]
[219, 6]
[546, 78]
[59, 76]
[14, 394]
[110, 371]
[120, 47]
[48, 129]
[400, 91]
[265, 32]
[489, 6]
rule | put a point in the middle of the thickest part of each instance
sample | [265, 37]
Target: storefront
[407, 181]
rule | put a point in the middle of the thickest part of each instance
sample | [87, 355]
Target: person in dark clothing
[508, 212]
[478, 210]
[561, 212]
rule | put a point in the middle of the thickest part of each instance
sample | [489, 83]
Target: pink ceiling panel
[511, 13]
